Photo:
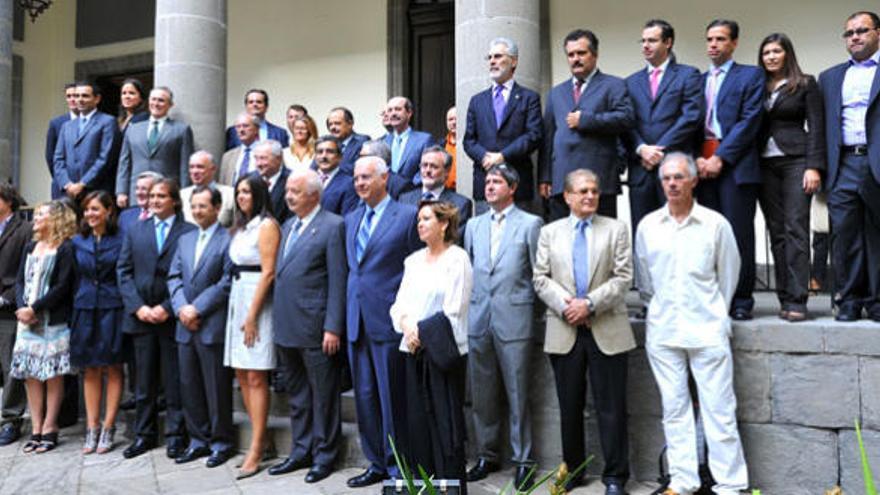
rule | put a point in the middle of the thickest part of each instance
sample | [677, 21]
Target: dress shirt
[719, 81]
[274, 179]
[497, 229]
[252, 166]
[428, 288]
[264, 129]
[169, 222]
[586, 82]
[330, 175]
[507, 87]
[687, 273]
[855, 93]
[202, 241]
[377, 214]
[772, 150]
[435, 193]
[662, 68]
[303, 223]
[73, 115]
[89, 116]
[161, 122]
[404, 137]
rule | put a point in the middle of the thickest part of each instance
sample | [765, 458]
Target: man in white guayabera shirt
[688, 271]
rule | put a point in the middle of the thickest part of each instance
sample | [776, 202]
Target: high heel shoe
[91, 441]
[105, 443]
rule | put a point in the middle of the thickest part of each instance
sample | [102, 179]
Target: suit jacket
[204, 285]
[373, 282]
[143, 272]
[127, 218]
[463, 203]
[14, 238]
[739, 109]
[229, 166]
[274, 132]
[796, 122]
[611, 273]
[673, 119]
[279, 205]
[352, 151]
[606, 115]
[170, 157]
[831, 82]
[87, 158]
[58, 298]
[339, 196]
[309, 291]
[52, 140]
[227, 208]
[516, 138]
[407, 176]
[502, 300]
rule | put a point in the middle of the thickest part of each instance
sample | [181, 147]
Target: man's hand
[572, 119]
[544, 190]
[812, 181]
[74, 189]
[145, 314]
[651, 155]
[189, 316]
[711, 167]
[159, 314]
[122, 201]
[330, 346]
[576, 312]
[491, 158]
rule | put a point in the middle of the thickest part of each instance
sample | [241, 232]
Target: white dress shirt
[687, 274]
[161, 124]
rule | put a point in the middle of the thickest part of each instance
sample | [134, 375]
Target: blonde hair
[62, 222]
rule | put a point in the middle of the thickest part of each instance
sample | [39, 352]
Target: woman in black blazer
[792, 143]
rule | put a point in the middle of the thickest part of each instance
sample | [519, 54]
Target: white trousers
[712, 368]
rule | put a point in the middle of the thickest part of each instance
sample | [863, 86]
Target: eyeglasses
[849, 33]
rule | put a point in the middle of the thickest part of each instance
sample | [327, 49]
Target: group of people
[317, 255]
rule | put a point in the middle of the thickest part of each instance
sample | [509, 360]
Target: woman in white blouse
[431, 312]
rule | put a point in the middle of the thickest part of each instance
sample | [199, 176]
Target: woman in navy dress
[96, 333]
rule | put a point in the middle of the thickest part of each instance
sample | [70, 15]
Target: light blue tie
[160, 234]
[396, 152]
[82, 125]
[581, 259]
[292, 237]
[364, 234]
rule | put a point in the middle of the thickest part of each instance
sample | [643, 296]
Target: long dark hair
[791, 70]
[261, 205]
[107, 202]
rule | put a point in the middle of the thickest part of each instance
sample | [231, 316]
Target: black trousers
[152, 352]
[787, 211]
[14, 399]
[557, 207]
[207, 386]
[645, 198]
[608, 380]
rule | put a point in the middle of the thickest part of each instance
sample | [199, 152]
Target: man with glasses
[852, 131]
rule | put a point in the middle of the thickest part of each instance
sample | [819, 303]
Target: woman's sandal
[49, 442]
[32, 444]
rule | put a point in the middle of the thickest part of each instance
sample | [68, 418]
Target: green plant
[870, 489]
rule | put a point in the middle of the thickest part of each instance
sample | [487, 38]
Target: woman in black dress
[96, 333]
[133, 104]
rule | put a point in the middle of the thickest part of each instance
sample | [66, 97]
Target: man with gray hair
[239, 161]
[434, 168]
[688, 270]
[140, 210]
[504, 125]
[270, 165]
[376, 147]
[202, 171]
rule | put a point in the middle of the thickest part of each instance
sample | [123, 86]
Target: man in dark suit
[379, 235]
[584, 119]
[15, 233]
[852, 131]
[730, 175]
[270, 166]
[340, 124]
[434, 169]
[503, 125]
[161, 144]
[406, 145]
[143, 267]
[338, 194]
[199, 291]
[55, 130]
[256, 103]
[667, 100]
[309, 321]
[84, 158]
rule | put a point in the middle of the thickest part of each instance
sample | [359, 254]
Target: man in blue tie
[406, 144]
[379, 235]
[239, 161]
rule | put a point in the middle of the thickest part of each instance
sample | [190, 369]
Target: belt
[858, 150]
[237, 270]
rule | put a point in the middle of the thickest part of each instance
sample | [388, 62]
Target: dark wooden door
[432, 64]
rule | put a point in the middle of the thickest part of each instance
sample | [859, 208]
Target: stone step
[278, 404]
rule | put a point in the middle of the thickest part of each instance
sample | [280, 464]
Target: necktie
[200, 247]
[578, 84]
[495, 238]
[364, 235]
[153, 138]
[498, 103]
[245, 162]
[655, 81]
[711, 90]
[396, 152]
[581, 259]
[160, 234]
[427, 196]
[324, 178]
[145, 214]
[292, 237]
[82, 125]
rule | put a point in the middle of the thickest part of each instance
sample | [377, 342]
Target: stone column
[6, 91]
[476, 24]
[191, 60]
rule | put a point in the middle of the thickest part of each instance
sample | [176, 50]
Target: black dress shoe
[219, 458]
[575, 482]
[741, 314]
[614, 489]
[8, 434]
[317, 473]
[847, 315]
[290, 465]
[127, 404]
[481, 469]
[192, 454]
[369, 477]
[174, 447]
[140, 446]
[524, 478]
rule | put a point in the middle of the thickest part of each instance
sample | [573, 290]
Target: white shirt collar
[89, 115]
[662, 66]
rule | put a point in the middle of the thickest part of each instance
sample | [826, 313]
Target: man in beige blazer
[238, 161]
[582, 273]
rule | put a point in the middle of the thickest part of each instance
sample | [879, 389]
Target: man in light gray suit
[199, 290]
[308, 320]
[160, 144]
[502, 244]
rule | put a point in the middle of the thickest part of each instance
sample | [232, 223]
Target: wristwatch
[590, 304]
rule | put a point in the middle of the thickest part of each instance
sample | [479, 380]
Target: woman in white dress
[431, 311]
[299, 155]
[249, 341]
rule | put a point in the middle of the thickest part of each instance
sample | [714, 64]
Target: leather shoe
[614, 489]
[317, 473]
[481, 469]
[369, 477]
[192, 454]
[127, 404]
[140, 446]
[741, 314]
[523, 480]
[174, 447]
[289, 465]
[847, 315]
[575, 482]
[8, 434]
[219, 458]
